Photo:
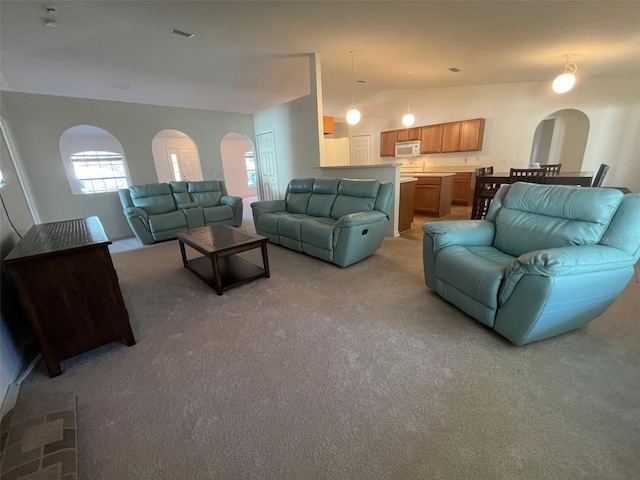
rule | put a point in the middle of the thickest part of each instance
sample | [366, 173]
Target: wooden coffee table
[220, 267]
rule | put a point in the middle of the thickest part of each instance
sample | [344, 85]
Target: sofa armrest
[360, 218]
[268, 206]
[230, 200]
[564, 261]
[460, 232]
[132, 212]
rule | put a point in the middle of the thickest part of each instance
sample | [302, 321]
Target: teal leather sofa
[547, 259]
[158, 211]
[337, 220]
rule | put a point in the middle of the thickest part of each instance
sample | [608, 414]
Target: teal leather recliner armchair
[547, 259]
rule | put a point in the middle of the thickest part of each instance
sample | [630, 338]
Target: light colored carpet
[360, 373]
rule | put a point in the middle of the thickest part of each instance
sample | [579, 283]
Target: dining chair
[487, 189]
[552, 169]
[602, 172]
[531, 175]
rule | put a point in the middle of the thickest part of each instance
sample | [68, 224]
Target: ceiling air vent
[180, 32]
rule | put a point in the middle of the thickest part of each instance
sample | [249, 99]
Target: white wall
[38, 121]
[513, 111]
[13, 327]
[235, 170]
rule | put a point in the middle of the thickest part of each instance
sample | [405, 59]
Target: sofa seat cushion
[268, 222]
[154, 199]
[291, 225]
[220, 213]
[535, 217]
[167, 221]
[477, 272]
[318, 232]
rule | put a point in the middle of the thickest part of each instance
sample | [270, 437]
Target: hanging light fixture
[353, 115]
[565, 82]
[409, 118]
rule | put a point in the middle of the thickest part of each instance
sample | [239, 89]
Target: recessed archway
[238, 162]
[176, 156]
[561, 138]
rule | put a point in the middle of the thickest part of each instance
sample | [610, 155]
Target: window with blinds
[98, 171]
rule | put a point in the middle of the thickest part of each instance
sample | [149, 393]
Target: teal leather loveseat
[158, 211]
[338, 220]
[547, 259]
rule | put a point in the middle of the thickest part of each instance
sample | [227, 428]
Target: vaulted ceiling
[249, 56]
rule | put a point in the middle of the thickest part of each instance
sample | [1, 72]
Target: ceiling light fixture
[353, 115]
[565, 82]
[409, 118]
[180, 32]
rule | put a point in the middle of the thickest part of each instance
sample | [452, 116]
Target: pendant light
[565, 82]
[409, 118]
[353, 115]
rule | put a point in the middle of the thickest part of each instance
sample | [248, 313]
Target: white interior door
[184, 164]
[360, 149]
[267, 167]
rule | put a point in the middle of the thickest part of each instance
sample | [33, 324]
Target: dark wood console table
[69, 289]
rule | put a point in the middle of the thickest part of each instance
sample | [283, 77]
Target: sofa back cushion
[323, 196]
[298, 194]
[180, 192]
[355, 196]
[534, 217]
[155, 198]
[206, 193]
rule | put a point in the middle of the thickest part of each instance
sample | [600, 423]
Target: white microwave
[408, 149]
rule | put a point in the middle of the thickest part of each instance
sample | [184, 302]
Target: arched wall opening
[175, 156]
[561, 138]
[239, 164]
[94, 160]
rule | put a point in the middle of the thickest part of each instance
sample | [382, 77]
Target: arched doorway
[561, 138]
[176, 156]
[239, 164]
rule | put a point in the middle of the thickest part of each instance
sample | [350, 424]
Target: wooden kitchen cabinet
[388, 143]
[408, 134]
[450, 137]
[433, 195]
[464, 136]
[471, 135]
[463, 186]
[430, 139]
[405, 210]
[328, 125]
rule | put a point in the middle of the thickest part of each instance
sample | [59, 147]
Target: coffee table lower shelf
[234, 271]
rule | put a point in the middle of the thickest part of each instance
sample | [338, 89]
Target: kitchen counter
[429, 174]
[404, 179]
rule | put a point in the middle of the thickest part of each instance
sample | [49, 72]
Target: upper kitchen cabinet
[388, 143]
[464, 136]
[328, 125]
[408, 134]
[471, 135]
[430, 138]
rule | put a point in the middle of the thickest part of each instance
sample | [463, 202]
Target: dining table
[582, 179]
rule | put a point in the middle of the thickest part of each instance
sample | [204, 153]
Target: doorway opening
[239, 165]
[176, 157]
[561, 138]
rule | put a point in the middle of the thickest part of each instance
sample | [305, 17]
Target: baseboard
[14, 388]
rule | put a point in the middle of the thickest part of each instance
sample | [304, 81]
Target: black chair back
[602, 171]
[531, 175]
[552, 169]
